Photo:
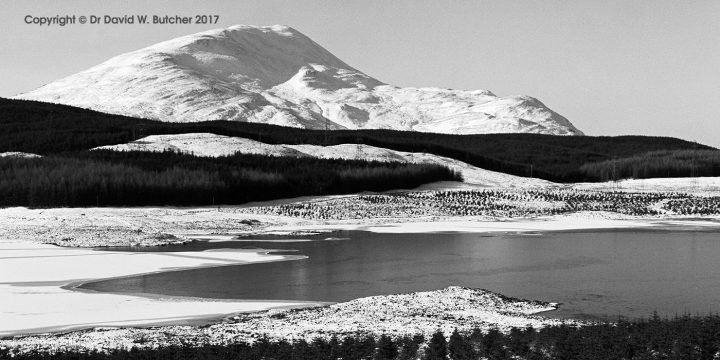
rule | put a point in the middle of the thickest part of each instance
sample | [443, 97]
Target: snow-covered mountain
[279, 76]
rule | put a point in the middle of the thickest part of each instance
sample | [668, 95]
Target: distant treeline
[109, 178]
[696, 338]
[677, 163]
[45, 128]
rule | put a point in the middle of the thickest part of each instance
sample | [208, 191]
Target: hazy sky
[648, 67]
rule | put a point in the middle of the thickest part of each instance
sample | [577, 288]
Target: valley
[243, 190]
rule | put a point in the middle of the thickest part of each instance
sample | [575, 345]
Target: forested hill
[45, 129]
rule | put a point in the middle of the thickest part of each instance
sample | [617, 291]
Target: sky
[612, 67]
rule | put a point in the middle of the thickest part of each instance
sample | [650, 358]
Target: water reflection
[594, 274]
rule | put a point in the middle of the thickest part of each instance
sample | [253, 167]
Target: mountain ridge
[277, 75]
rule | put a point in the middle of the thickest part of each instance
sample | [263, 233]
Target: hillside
[205, 144]
[44, 128]
[276, 75]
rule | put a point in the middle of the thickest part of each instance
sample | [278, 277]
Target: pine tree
[517, 342]
[334, 347]
[387, 349]
[302, 350]
[366, 350]
[410, 347]
[491, 342]
[349, 348]
[437, 347]
[321, 348]
[459, 348]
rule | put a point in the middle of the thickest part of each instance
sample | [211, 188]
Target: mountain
[277, 75]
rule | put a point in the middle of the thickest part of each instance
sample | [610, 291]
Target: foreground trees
[678, 338]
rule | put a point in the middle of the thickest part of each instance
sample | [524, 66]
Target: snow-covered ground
[286, 79]
[16, 154]
[708, 186]
[205, 144]
[34, 297]
[90, 227]
[395, 315]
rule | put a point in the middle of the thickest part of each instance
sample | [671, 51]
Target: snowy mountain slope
[19, 155]
[279, 76]
[204, 144]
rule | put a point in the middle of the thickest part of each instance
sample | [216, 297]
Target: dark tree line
[678, 338]
[677, 163]
[348, 348]
[109, 178]
[46, 129]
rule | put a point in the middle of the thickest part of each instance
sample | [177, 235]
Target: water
[594, 274]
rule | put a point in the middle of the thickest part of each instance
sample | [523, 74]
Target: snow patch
[19, 155]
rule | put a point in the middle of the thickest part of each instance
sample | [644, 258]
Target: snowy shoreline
[395, 315]
[39, 299]
[27, 288]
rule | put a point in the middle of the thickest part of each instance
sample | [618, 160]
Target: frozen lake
[592, 273]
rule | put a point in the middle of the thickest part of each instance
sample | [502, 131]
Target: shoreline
[187, 321]
[197, 325]
[662, 225]
[47, 299]
[581, 221]
[50, 298]
[396, 315]
[573, 222]
[78, 285]
[551, 224]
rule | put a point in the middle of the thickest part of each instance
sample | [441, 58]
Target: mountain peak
[275, 74]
